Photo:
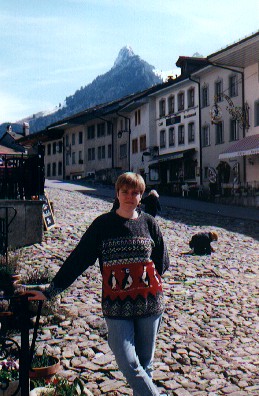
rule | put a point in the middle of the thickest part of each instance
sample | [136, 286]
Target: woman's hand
[34, 295]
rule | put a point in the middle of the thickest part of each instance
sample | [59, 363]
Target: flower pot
[40, 287]
[11, 389]
[45, 372]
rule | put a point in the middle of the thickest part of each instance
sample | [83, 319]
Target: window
[73, 139]
[191, 132]
[109, 150]
[73, 158]
[205, 136]
[101, 129]
[137, 117]
[67, 158]
[171, 137]
[171, 104]
[49, 149]
[162, 108]
[67, 140]
[134, 146]
[60, 146]
[109, 128]
[256, 112]
[80, 137]
[54, 169]
[190, 97]
[205, 96]
[181, 134]
[54, 148]
[60, 168]
[233, 86]
[142, 143]
[101, 152]
[219, 133]
[80, 157]
[233, 130]
[123, 151]
[48, 170]
[219, 90]
[180, 101]
[91, 154]
[162, 139]
[91, 132]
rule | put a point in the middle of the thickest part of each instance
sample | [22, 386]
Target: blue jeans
[132, 342]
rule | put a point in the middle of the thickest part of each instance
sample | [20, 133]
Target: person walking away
[132, 258]
[151, 203]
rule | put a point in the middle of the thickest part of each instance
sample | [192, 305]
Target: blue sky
[50, 48]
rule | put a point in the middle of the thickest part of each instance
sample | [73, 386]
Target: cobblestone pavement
[208, 343]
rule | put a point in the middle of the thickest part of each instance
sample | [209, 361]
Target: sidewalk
[166, 201]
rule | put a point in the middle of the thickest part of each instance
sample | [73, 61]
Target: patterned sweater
[132, 257]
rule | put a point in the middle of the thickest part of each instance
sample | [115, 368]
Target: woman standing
[132, 257]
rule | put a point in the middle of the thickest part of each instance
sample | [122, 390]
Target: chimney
[26, 129]
[9, 128]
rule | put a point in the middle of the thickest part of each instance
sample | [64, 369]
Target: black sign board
[173, 120]
[47, 213]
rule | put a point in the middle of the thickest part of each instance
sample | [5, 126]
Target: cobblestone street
[208, 343]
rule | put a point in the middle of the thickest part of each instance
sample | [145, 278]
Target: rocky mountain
[129, 74]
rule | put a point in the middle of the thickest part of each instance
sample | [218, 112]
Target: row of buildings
[199, 130]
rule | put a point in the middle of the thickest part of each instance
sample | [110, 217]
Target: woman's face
[129, 198]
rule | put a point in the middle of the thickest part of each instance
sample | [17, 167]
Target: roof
[243, 53]
[6, 150]
[56, 130]
[247, 146]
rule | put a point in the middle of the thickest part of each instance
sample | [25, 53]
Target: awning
[247, 146]
[175, 155]
[9, 151]
[170, 157]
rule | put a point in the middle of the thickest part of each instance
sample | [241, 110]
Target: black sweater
[132, 256]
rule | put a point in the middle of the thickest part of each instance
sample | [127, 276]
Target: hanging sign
[212, 174]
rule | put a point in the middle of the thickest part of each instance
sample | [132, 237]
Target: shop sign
[173, 120]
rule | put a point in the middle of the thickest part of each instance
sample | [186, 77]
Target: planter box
[13, 386]
[27, 226]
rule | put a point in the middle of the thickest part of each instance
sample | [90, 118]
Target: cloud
[13, 108]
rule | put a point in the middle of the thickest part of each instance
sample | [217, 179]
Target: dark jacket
[200, 243]
[151, 205]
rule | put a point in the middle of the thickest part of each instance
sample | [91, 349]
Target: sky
[51, 48]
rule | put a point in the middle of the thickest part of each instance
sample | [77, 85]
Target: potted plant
[36, 278]
[44, 366]
[59, 386]
[9, 377]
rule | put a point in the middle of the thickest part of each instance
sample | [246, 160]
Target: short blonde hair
[214, 236]
[130, 180]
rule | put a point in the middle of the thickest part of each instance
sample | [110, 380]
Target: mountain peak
[124, 55]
